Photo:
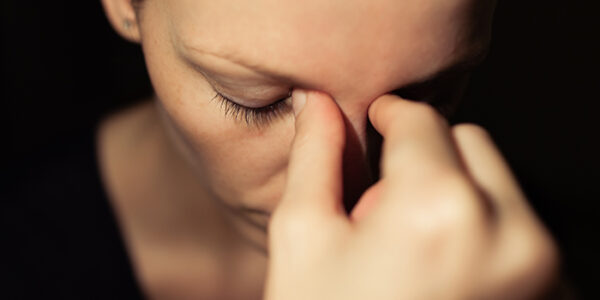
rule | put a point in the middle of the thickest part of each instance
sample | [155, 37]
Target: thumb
[314, 182]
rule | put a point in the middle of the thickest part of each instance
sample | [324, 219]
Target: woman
[267, 116]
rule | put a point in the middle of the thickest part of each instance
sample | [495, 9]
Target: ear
[123, 18]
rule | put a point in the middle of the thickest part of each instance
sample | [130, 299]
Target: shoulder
[127, 126]
[120, 136]
[62, 234]
[68, 166]
[126, 146]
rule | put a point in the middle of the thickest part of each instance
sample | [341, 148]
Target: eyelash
[257, 116]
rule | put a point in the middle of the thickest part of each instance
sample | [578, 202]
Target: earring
[127, 24]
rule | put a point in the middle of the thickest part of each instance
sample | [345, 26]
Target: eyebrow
[460, 66]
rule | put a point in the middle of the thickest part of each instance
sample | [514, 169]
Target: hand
[447, 220]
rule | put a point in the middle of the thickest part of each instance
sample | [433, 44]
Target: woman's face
[254, 52]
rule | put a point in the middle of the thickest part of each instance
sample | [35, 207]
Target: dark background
[63, 68]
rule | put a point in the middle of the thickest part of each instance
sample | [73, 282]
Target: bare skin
[175, 256]
[447, 220]
[195, 179]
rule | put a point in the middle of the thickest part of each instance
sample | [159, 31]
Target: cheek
[239, 165]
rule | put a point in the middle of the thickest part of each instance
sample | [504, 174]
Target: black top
[63, 239]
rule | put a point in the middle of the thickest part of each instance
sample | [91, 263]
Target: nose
[362, 151]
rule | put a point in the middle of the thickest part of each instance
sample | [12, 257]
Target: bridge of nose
[362, 149]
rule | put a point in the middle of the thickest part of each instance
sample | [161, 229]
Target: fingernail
[298, 100]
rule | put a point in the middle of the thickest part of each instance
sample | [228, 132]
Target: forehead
[331, 45]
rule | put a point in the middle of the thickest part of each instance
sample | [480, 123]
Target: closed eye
[441, 92]
[254, 116]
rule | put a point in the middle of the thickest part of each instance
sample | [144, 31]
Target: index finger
[417, 141]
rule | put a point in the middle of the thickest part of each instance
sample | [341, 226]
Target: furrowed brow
[461, 66]
[252, 66]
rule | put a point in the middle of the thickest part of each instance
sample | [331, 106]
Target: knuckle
[426, 112]
[449, 207]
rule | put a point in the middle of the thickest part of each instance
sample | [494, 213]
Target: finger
[525, 257]
[487, 167]
[427, 190]
[523, 263]
[314, 180]
[417, 143]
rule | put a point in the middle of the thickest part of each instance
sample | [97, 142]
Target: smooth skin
[195, 188]
[447, 220]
